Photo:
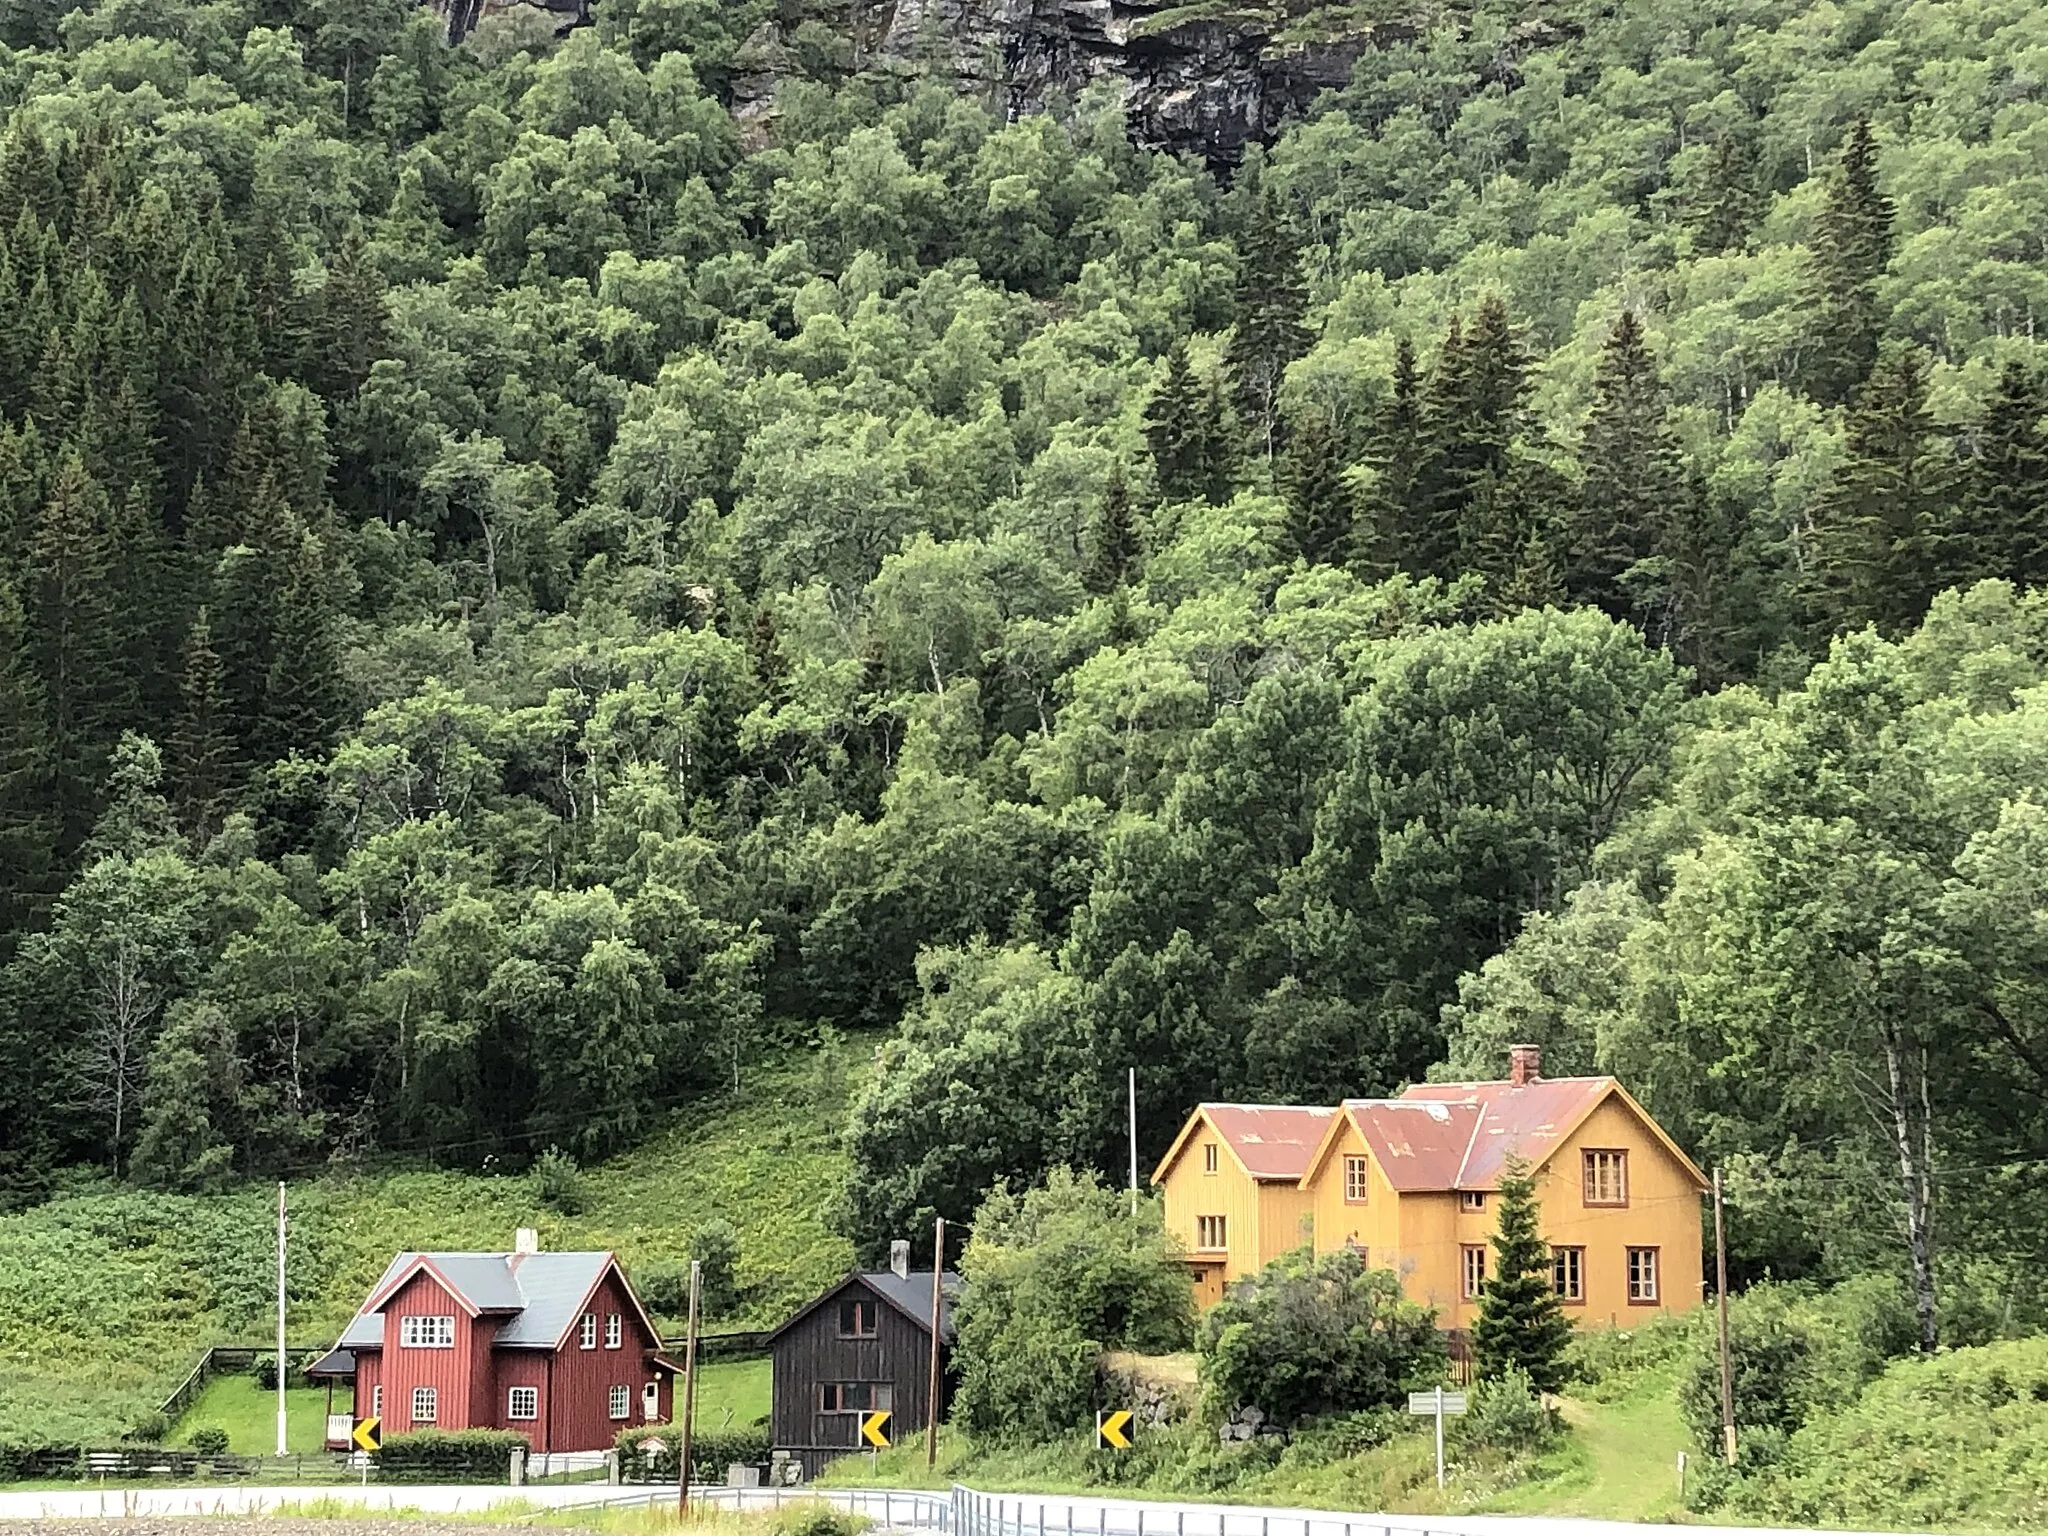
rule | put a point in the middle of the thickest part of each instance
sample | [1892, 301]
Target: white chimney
[526, 1240]
[899, 1258]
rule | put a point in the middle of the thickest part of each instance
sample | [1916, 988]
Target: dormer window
[426, 1332]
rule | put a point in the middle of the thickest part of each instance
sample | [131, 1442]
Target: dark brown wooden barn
[862, 1346]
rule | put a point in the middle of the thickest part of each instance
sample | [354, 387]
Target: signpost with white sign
[1437, 1402]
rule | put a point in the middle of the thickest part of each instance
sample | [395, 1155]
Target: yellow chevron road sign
[369, 1435]
[1113, 1430]
[875, 1430]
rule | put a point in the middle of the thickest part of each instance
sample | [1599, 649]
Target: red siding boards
[523, 1368]
[584, 1378]
[450, 1372]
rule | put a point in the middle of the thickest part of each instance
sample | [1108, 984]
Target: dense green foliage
[1310, 1335]
[519, 599]
[450, 1456]
[1520, 1329]
[713, 1448]
[1053, 1277]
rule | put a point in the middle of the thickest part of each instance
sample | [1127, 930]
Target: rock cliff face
[1205, 78]
[1200, 77]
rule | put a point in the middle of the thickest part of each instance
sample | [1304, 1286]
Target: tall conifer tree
[1852, 245]
[1176, 427]
[1387, 537]
[1321, 513]
[1113, 549]
[1632, 475]
[202, 754]
[2002, 520]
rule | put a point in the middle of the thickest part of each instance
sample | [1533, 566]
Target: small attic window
[1209, 1157]
[1471, 1199]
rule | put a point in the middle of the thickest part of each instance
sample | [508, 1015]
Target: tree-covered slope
[531, 581]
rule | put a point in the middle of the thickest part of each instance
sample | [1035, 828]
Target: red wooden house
[553, 1345]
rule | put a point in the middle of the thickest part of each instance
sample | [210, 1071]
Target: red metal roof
[1273, 1141]
[1417, 1145]
[1527, 1121]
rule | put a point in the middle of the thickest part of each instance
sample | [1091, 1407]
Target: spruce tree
[306, 699]
[1729, 201]
[27, 783]
[1176, 427]
[1386, 533]
[1474, 509]
[1320, 512]
[1521, 1321]
[1113, 549]
[2002, 520]
[203, 764]
[1632, 471]
[1852, 245]
[1875, 523]
[1269, 333]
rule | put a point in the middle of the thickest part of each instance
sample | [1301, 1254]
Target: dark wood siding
[811, 1353]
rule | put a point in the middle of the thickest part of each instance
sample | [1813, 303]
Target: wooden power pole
[931, 1432]
[1721, 1300]
[686, 1411]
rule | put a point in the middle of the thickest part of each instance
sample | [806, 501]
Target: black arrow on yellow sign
[875, 1430]
[1113, 1430]
[368, 1434]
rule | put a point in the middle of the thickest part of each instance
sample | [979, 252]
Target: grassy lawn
[249, 1415]
[1619, 1463]
[732, 1391]
[108, 1295]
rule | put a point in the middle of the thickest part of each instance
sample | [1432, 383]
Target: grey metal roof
[542, 1291]
[909, 1294]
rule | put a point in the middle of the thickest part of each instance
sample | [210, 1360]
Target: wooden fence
[224, 1359]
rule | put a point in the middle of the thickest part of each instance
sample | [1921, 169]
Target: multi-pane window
[1472, 1263]
[1642, 1277]
[522, 1403]
[377, 1401]
[1356, 1181]
[1209, 1157]
[1606, 1178]
[859, 1317]
[855, 1396]
[587, 1331]
[426, 1405]
[614, 1330]
[1471, 1199]
[1209, 1232]
[426, 1332]
[1568, 1273]
[622, 1401]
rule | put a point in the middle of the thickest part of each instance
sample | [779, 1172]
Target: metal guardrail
[965, 1511]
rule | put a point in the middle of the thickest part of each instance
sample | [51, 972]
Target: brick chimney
[1525, 1064]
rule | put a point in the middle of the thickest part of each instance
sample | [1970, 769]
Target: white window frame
[522, 1403]
[1644, 1281]
[1357, 1179]
[1471, 1271]
[377, 1401]
[614, 1330]
[424, 1332]
[1210, 1162]
[621, 1401]
[431, 1397]
[588, 1330]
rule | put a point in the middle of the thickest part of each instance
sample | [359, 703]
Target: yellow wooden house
[1232, 1190]
[1413, 1183]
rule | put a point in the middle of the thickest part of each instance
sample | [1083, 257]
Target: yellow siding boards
[1262, 1220]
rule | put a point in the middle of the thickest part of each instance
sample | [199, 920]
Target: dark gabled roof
[539, 1294]
[909, 1294]
[337, 1363]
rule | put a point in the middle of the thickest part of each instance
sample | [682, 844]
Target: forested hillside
[522, 594]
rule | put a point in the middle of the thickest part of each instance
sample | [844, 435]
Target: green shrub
[716, 1248]
[665, 1290]
[1307, 1336]
[711, 1452]
[1507, 1414]
[264, 1369]
[449, 1456]
[209, 1440]
[558, 1182]
[1055, 1276]
[1340, 1436]
[1605, 1363]
[817, 1518]
[149, 1429]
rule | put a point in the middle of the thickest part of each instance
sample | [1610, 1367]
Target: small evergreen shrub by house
[449, 1456]
[209, 1440]
[1521, 1324]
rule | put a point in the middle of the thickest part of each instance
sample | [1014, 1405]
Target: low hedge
[711, 1452]
[449, 1456]
[21, 1461]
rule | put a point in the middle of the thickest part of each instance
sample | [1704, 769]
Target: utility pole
[1134, 1141]
[281, 1437]
[931, 1437]
[1721, 1297]
[687, 1411]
